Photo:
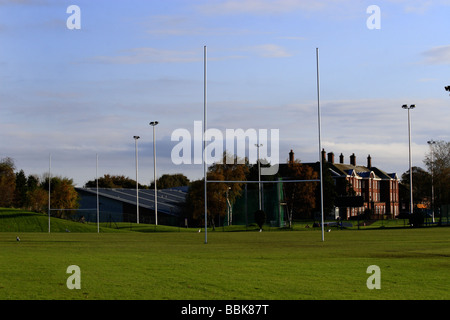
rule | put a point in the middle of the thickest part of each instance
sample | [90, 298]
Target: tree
[231, 169]
[421, 185]
[63, 196]
[171, 181]
[299, 196]
[438, 164]
[113, 181]
[329, 191]
[7, 182]
[38, 200]
[32, 182]
[217, 193]
[37, 197]
[20, 195]
[195, 204]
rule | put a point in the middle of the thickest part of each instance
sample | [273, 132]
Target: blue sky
[77, 93]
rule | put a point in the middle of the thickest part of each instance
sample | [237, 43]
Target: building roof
[343, 170]
[169, 200]
[339, 169]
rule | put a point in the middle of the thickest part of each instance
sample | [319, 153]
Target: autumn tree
[37, 195]
[195, 204]
[230, 169]
[7, 182]
[38, 200]
[299, 196]
[63, 196]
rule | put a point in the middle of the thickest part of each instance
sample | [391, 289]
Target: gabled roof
[383, 175]
[360, 171]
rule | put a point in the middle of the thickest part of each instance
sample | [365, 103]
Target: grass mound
[16, 220]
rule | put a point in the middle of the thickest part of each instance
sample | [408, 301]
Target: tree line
[32, 192]
[431, 186]
[302, 199]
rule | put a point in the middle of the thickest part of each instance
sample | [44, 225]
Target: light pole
[410, 167]
[259, 177]
[153, 124]
[431, 143]
[137, 177]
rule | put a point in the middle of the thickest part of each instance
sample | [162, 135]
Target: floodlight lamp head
[136, 137]
[154, 123]
[447, 88]
[412, 106]
[404, 106]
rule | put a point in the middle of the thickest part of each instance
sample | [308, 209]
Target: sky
[74, 94]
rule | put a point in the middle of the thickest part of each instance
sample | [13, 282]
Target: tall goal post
[204, 148]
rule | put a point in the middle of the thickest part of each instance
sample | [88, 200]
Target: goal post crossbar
[73, 209]
[242, 181]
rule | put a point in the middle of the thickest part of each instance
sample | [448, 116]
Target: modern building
[119, 205]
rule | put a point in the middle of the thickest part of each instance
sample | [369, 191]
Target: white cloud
[175, 25]
[149, 55]
[154, 55]
[23, 2]
[269, 51]
[261, 6]
[438, 55]
[419, 6]
[293, 38]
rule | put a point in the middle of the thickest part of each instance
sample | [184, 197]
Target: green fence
[243, 211]
[444, 214]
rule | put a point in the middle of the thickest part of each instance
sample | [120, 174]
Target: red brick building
[379, 189]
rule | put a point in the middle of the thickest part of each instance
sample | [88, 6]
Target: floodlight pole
[320, 143]
[410, 160]
[153, 124]
[204, 145]
[137, 177]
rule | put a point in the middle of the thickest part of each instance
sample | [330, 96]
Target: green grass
[268, 265]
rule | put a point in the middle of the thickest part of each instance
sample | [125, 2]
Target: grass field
[268, 265]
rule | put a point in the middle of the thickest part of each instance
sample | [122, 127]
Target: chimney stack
[323, 155]
[291, 156]
[331, 157]
[369, 162]
[353, 160]
[341, 159]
